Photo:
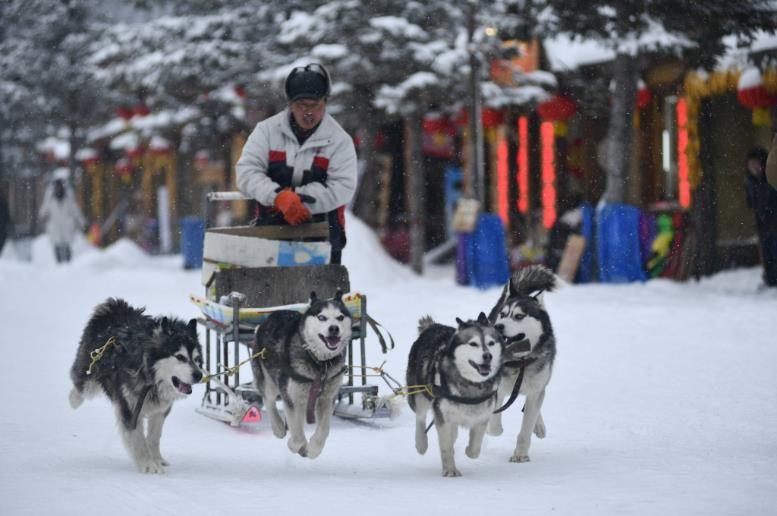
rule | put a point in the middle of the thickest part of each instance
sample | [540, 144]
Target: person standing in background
[771, 164]
[762, 199]
[5, 221]
[62, 216]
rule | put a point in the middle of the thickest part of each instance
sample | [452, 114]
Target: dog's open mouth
[182, 387]
[331, 342]
[483, 369]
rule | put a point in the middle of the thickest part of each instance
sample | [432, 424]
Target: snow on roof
[146, 125]
[567, 52]
[58, 147]
[158, 143]
[496, 96]
[564, 52]
[86, 153]
[128, 140]
[737, 56]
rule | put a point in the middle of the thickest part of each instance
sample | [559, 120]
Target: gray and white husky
[149, 363]
[462, 366]
[530, 349]
[304, 365]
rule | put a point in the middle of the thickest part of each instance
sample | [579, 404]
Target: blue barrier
[486, 257]
[586, 269]
[617, 239]
[192, 239]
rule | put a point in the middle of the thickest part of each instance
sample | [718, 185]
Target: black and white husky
[147, 363]
[530, 349]
[462, 367]
[304, 365]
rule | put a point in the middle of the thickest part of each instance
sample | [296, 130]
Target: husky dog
[304, 364]
[146, 364]
[462, 367]
[530, 349]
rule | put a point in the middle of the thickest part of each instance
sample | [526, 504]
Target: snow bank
[368, 264]
[661, 402]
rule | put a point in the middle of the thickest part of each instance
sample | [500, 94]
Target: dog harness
[443, 392]
[521, 363]
[316, 384]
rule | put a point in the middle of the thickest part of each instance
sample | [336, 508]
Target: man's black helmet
[307, 82]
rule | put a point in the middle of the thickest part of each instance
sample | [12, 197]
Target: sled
[240, 296]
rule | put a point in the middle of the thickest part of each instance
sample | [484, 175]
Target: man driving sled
[300, 165]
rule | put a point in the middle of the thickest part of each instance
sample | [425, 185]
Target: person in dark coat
[762, 199]
[5, 221]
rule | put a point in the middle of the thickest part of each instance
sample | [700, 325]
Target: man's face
[308, 112]
[755, 167]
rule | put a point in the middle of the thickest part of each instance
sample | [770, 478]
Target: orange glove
[289, 203]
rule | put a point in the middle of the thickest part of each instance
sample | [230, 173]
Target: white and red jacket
[322, 170]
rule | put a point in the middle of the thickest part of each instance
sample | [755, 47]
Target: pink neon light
[683, 183]
[548, 175]
[523, 164]
[502, 179]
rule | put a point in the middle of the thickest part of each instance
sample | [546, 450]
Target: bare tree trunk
[620, 130]
[366, 202]
[415, 190]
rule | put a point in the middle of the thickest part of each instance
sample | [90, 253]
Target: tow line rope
[97, 354]
[397, 388]
[231, 371]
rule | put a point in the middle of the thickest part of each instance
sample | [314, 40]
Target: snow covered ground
[663, 401]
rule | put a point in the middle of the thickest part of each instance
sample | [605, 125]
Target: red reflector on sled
[253, 415]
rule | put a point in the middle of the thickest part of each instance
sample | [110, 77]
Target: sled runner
[249, 272]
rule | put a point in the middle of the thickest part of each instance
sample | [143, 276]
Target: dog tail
[529, 280]
[424, 323]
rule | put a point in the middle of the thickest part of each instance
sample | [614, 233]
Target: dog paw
[151, 467]
[451, 472]
[519, 458]
[296, 447]
[539, 430]
[472, 452]
[160, 460]
[279, 431]
[421, 444]
[312, 450]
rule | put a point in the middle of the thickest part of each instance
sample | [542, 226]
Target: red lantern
[752, 94]
[437, 138]
[88, 157]
[124, 169]
[141, 110]
[134, 152]
[492, 118]
[159, 146]
[643, 95]
[124, 112]
[201, 158]
[558, 108]
[240, 91]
